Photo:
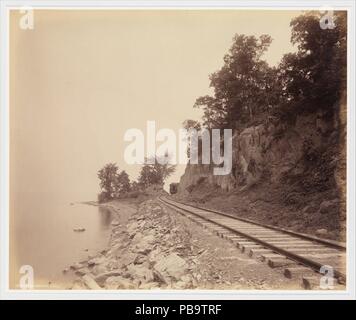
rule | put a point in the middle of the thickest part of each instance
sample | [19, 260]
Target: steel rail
[329, 243]
[292, 256]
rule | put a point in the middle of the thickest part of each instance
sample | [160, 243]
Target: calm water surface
[42, 236]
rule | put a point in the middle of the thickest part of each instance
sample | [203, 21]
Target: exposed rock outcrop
[288, 175]
[270, 150]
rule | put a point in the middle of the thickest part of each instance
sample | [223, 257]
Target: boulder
[172, 266]
[145, 245]
[140, 259]
[118, 282]
[132, 228]
[143, 250]
[101, 278]
[99, 269]
[185, 282]
[155, 254]
[141, 273]
[114, 264]
[149, 239]
[76, 266]
[82, 271]
[137, 238]
[78, 285]
[90, 282]
[96, 261]
[116, 250]
[127, 258]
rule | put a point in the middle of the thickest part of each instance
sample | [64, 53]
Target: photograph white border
[6, 293]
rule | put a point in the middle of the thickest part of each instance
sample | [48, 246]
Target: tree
[135, 186]
[123, 183]
[147, 176]
[241, 86]
[191, 124]
[112, 183]
[154, 173]
[246, 89]
[108, 180]
[315, 76]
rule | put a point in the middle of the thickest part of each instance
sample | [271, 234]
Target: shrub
[103, 197]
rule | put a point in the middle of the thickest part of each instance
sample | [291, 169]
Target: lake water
[42, 236]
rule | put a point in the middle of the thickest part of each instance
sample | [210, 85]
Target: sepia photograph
[176, 149]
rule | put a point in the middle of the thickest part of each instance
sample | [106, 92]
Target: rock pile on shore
[149, 250]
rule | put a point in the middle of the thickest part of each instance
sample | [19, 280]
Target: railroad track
[318, 263]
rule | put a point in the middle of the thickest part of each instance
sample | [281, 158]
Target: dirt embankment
[278, 206]
[288, 175]
[152, 247]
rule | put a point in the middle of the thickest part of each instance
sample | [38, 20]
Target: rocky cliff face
[273, 151]
[291, 175]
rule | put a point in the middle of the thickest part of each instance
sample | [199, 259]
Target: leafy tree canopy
[247, 90]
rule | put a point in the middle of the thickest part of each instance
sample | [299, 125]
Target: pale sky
[80, 79]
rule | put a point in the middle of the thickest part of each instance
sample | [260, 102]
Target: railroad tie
[258, 252]
[248, 247]
[267, 256]
[310, 282]
[240, 244]
[279, 262]
[293, 272]
[263, 243]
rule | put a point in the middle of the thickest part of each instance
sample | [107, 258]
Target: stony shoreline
[152, 247]
[144, 252]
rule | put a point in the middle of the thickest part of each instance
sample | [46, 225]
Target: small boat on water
[79, 229]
